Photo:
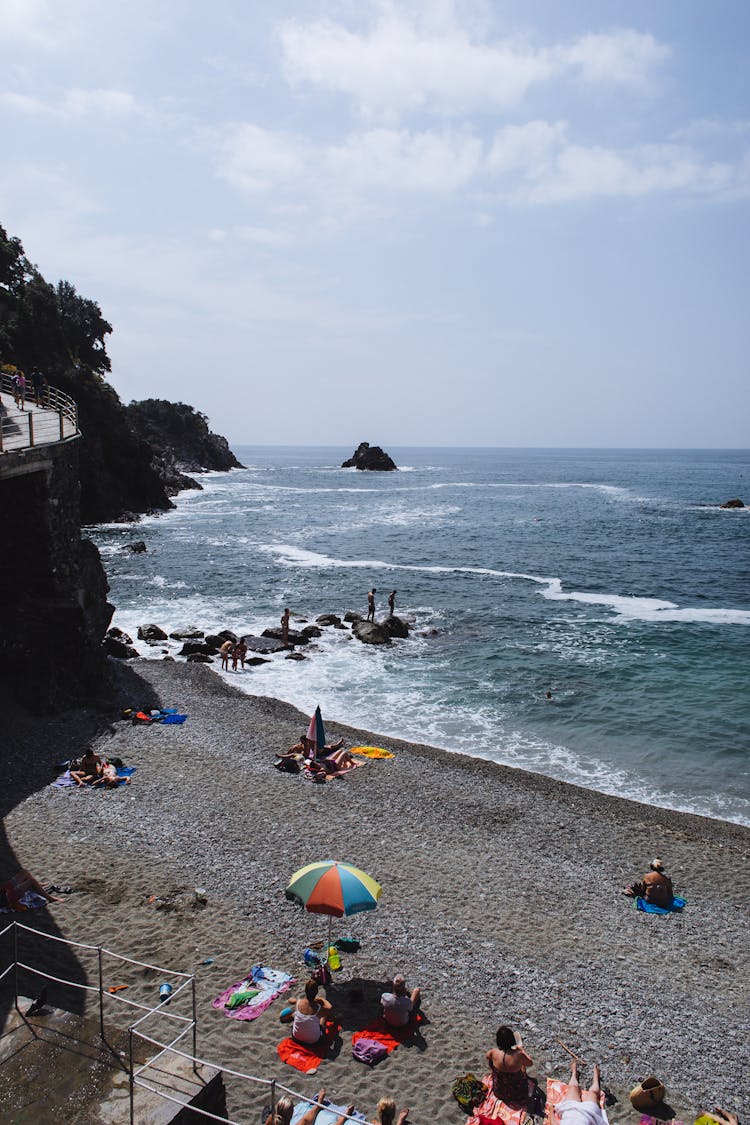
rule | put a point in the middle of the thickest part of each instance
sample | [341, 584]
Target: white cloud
[255, 159]
[75, 104]
[30, 22]
[398, 66]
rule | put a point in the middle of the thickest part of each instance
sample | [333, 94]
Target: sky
[408, 222]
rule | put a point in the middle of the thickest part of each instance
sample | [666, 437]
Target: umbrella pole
[328, 947]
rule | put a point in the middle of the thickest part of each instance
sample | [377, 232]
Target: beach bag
[468, 1092]
[649, 1093]
[369, 1051]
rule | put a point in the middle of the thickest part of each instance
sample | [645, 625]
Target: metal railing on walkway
[30, 417]
[138, 1073]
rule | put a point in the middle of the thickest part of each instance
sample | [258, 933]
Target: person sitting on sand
[582, 1107]
[285, 1109]
[310, 1015]
[225, 652]
[89, 769]
[508, 1062]
[655, 886]
[386, 1113]
[13, 893]
[400, 1006]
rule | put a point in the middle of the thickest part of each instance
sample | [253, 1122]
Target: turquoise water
[610, 578]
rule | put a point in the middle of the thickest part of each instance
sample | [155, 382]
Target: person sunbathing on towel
[285, 1109]
[109, 777]
[655, 886]
[310, 1015]
[400, 1006]
[581, 1107]
[508, 1062]
[89, 769]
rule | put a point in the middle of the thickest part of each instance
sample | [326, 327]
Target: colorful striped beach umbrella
[316, 731]
[333, 888]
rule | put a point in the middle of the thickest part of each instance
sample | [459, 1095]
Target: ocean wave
[649, 609]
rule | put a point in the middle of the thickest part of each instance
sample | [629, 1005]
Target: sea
[583, 614]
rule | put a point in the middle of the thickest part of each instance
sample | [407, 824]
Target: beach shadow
[31, 756]
[356, 1003]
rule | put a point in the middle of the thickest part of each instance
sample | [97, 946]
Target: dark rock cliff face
[133, 457]
[53, 590]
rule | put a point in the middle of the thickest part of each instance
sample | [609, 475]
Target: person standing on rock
[285, 625]
[392, 602]
[371, 604]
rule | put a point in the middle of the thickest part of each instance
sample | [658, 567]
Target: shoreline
[501, 894]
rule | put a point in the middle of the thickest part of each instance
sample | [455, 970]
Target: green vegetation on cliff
[130, 457]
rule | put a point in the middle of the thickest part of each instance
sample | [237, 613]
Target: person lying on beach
[581, 1107]
[400, 1006]
[386, 1113]
[285, 1109]
[310, 1015]
[89, 769]
[109, 777]
[335, 763]
[508, 1062]
[655, 886]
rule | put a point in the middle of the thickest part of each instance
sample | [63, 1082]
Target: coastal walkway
[20, 429]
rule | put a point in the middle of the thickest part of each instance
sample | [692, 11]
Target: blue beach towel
[649, 908]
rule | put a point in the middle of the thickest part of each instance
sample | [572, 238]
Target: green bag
[468, 1092]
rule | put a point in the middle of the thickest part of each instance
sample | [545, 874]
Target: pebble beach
[501, 898]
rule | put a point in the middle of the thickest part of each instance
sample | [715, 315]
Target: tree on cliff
[128, 462]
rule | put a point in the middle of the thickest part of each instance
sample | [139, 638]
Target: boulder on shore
[371, 458]
[151, 634]
[396, 626]
[736, 503]
[371, 633]
[137, 548]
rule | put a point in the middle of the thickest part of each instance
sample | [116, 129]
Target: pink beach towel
[494, 1112]
[269, 983]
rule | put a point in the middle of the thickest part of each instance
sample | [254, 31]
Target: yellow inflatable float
[372, 752]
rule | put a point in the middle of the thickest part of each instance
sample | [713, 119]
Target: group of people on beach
[236, 651]
[319, 761]
[93, 770]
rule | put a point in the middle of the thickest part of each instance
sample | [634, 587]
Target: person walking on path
[39, 382]
[371, 604]
[19, 389]
[392, 602]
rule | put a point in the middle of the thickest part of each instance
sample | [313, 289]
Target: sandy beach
[501, 897]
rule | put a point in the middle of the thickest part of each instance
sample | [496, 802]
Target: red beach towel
[390, 1037]
[307, 1057]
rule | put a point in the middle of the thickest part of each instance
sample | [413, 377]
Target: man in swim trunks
[399, 1006]
[392, 602]
[655, 886]
[225, 652]
[371, 604]
[285, 626]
